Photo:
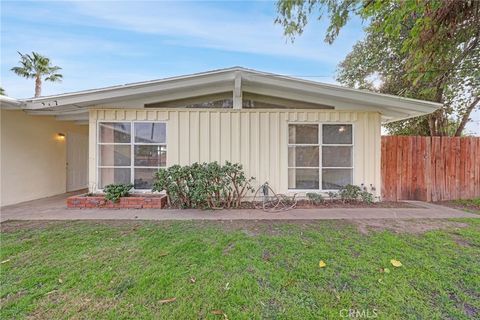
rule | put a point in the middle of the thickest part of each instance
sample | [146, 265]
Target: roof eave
[11, 103]
[393, 107]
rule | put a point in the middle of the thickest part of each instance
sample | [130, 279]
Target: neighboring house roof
[236, 82]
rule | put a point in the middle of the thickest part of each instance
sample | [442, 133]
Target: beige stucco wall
[33, 159]
[255, 138]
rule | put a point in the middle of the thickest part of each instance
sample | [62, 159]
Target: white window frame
[132, 145]
[320, 150]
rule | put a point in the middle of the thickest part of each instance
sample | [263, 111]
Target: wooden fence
[430, 168]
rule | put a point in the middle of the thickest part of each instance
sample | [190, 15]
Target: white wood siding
[257, 138]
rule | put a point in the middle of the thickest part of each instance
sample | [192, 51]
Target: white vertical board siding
[257, 138]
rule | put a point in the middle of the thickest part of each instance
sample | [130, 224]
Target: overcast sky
[108, 43]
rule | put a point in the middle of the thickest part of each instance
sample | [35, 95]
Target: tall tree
[39, 68]
[2, 91]
[421, 49]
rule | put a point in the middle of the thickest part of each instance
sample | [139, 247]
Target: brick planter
[133, 202]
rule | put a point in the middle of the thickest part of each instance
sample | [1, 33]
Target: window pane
[114, 155]
[108, 176]
[337, 133]
[144, 178]
[150, 156]
[337, 156]
[303, 157]
[303, 179]
[303, 134]
[150, 132]
[115, 132]
[333, 179]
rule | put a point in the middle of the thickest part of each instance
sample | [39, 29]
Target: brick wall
[84, 202]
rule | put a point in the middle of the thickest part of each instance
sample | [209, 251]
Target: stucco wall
[33, 159]
[255, 138]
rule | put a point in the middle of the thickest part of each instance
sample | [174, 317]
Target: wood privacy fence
[430, 168]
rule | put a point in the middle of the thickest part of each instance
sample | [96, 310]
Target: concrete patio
[54, 208]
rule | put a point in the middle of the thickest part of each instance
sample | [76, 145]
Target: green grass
[469, 205]
[469, 202]
[264, 271]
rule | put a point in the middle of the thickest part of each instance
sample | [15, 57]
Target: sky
[104, 43]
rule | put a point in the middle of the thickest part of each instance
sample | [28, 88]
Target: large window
[320, 157]
[130, 152]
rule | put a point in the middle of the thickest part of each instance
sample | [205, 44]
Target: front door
[77, 161]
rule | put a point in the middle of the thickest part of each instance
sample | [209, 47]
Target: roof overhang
[10, 103]
[236, 81]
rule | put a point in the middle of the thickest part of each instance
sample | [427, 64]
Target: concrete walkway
[54, 208]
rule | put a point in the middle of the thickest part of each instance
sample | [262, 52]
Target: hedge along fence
[430, 168]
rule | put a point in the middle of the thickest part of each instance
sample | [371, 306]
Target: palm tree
[2, 92]
[38, 67]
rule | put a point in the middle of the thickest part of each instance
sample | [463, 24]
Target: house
[296, 134]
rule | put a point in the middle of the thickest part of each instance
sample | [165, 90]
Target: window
[320, 157]
[337, 156]
[130, 152]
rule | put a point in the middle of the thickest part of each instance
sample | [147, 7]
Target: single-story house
[298, 135]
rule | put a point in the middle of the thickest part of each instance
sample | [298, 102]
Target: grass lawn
[470, 205]
[238, 270]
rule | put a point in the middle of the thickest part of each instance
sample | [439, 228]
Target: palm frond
[56, 77]
[23, 72]
[54, 69]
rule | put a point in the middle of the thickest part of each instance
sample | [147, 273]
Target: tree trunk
[432, 124]
[436, 119]
[466, 116]
[38, 87]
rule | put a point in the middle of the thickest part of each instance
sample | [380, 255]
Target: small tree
[37, 67]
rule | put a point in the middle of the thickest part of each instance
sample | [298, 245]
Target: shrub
[332, 195]
[114, 192]
[203, 185]
[366, 197]
[315, 198]
[349, 193]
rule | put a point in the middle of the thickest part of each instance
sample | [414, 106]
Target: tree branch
[466, 116]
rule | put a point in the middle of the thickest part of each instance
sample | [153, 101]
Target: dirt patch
[25, 225]
[417, 226]
[364, 226]
[255, 227]
[17, 225]
[228, 248]
[469, 310]
[462, 242]
[307, 204]
[4, 301]
[67, 304]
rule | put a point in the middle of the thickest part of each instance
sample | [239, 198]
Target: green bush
[203, 185]
[315, 198]
[349, 193]
[114, 192]
[332, 195]
[366, 197]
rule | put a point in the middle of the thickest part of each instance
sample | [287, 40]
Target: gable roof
[235, 80]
